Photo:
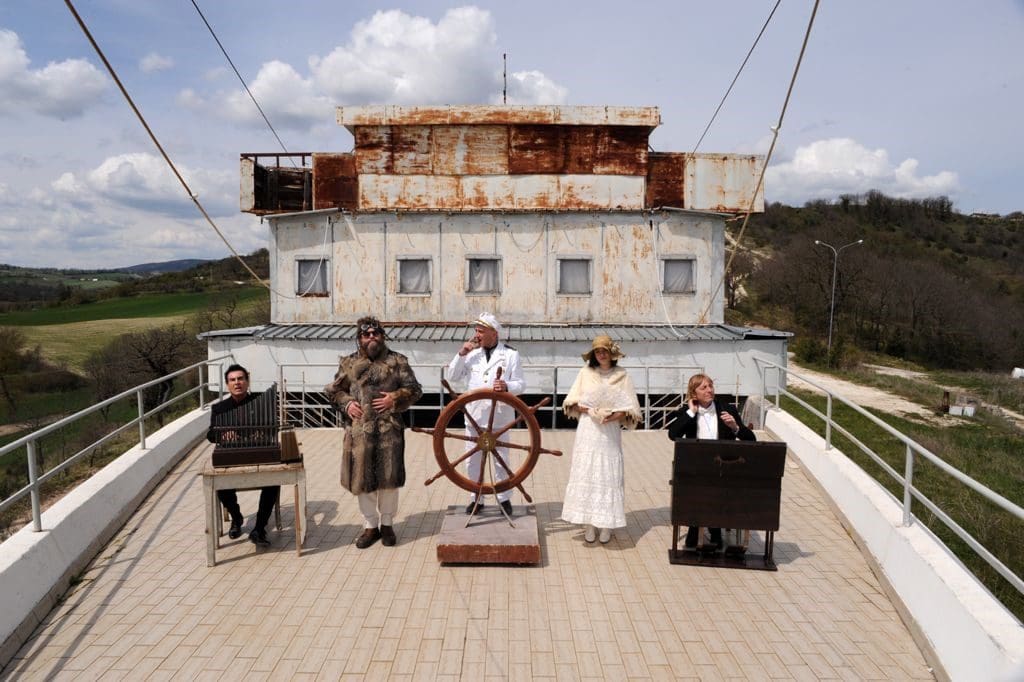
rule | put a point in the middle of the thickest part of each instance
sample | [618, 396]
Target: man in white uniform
[478, 361]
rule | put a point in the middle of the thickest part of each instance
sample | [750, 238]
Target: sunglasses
[372, 331]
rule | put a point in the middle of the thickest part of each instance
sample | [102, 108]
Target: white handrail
[906, 480]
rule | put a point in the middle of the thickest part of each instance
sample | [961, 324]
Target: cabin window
[574, 276]
[414, 276]
[483, 276]
[677, 275]
[312, 277]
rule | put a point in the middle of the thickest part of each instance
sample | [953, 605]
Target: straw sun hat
[604, 341]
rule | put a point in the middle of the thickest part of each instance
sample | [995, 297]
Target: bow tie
[706, 410]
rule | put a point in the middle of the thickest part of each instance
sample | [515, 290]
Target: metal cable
[760, 178]
[736, 77]
[242, 80]
[152, 136]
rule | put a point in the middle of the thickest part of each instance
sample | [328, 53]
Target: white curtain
[313, 276]
[678, 276]
[573, 276]
[414, 276]
[483, 275]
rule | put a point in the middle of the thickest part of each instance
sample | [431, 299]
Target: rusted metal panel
[409, 192]
[470, 150]
[602, 150]
[487, 192]
[500, 192]
[723, 182]
[536, 192]
[373, 149]
[335, 183]
[534, 149]
[411, 150]
[588, 192]
[353, 117]
[666, 178]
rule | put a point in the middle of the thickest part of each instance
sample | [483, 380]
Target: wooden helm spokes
[520, 437]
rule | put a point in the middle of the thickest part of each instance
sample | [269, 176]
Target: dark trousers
[691, 536]
[268, 498]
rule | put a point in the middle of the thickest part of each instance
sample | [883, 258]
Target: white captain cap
[488, 320]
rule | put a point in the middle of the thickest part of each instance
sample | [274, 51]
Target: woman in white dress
[604, 401]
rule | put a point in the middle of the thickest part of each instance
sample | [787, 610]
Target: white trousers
[379, 507]
[495, 469]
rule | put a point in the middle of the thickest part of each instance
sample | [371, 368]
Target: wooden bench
[251, 477]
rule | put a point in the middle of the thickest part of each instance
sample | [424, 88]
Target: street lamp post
[832, 307]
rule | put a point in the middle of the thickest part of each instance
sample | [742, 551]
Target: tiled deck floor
[149, 608]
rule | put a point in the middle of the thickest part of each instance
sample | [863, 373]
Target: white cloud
[533, 87]
[144, 181]
[828, 168]
[190, 99]
[288, 100]
[153, 62]
[393, 58]
[60, 89]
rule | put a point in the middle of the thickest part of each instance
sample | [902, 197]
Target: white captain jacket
[479, 372]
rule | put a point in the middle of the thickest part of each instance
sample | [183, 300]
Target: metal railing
[302, 396]
[906, 479]
[31, 441]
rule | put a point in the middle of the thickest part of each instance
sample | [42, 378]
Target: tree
[12, 348]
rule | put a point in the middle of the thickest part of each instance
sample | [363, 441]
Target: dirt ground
[867, 396]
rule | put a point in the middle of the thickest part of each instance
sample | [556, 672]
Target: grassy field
[72, 343]
[153, 305]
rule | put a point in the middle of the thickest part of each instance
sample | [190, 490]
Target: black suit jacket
[221, 408]
[682, 425]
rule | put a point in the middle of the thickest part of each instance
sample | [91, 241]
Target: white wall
[625, 249]
[970, 634]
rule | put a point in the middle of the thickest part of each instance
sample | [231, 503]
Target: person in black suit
[704, 418]
[237, 379]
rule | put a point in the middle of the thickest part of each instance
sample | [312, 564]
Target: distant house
[558, 219]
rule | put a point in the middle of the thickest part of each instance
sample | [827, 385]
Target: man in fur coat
[372, 387]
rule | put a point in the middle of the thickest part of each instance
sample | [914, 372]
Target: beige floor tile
[588, 612]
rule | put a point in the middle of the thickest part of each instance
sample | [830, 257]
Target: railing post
[908, 483]
[554, 397]
[142, 419]
[647, 398]
[33, 476]
[828, 421]
[764, 394]
[202, 385]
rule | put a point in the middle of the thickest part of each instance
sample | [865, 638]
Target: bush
[810, 351]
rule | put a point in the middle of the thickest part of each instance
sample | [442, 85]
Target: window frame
[664, 260]
[559, 258]
[486, 257]
[430, 275]
[325, 263]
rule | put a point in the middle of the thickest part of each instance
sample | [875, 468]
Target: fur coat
[373, 453]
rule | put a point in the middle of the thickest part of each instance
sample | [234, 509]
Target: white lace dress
[596, 493]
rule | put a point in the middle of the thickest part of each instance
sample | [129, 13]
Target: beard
[372, 347]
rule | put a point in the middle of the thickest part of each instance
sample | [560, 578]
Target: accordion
[251, 433]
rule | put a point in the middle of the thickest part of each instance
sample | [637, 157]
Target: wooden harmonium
[727, 483]
[251, 433]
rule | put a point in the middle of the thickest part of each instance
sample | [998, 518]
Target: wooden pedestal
[489, 539]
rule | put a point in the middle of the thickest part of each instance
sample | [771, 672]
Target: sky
[916, 98]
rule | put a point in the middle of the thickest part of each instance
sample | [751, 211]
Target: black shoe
[258, 537]
[387, 536]
[369, 536]
[235, 531]
[507, 506]
[474, 507]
